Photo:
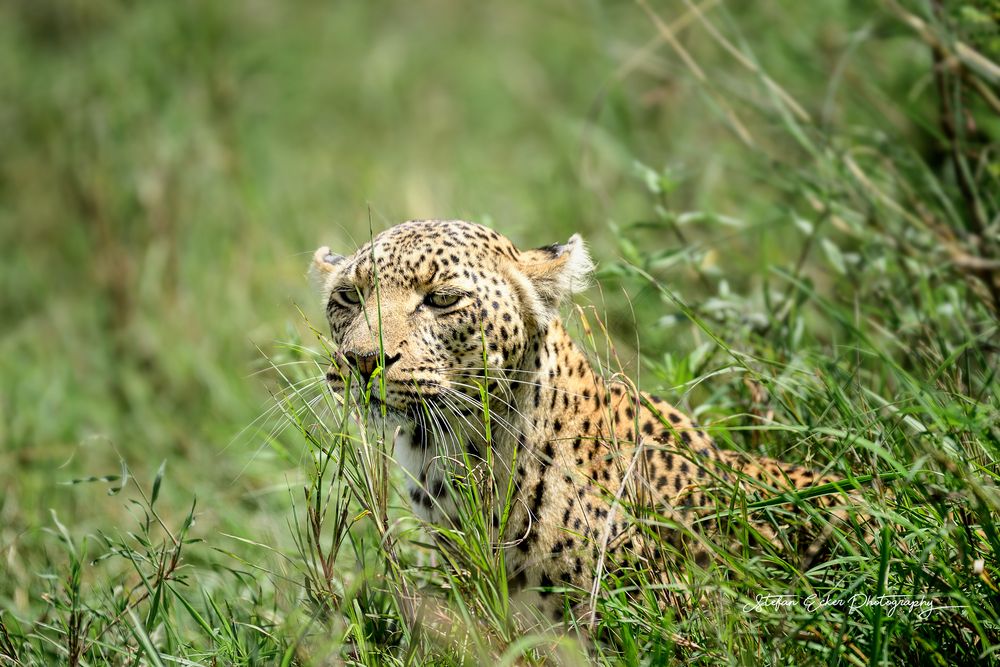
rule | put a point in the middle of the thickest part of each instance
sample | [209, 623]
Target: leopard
[431, 321]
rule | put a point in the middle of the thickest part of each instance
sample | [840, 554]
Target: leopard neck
[555, 380]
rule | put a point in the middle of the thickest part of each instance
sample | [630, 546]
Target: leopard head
[435, 310]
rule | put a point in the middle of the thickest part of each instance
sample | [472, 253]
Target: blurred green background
[167, 168]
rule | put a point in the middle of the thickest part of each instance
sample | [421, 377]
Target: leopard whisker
[511, 428]
[276, 403]
[539, 384]
[301, 362]
[504, 403]
[457, 413]
[512, 434]
[432, 416]
[273, 434]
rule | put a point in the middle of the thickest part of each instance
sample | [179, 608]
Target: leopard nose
[365, 364]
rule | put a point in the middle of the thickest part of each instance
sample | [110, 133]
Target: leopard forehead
[421, 252]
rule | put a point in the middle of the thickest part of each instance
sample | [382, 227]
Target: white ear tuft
[579, 266]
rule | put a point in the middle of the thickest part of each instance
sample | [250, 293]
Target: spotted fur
[438, 309]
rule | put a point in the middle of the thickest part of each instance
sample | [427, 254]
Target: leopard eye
[442, 299]
[350, 296]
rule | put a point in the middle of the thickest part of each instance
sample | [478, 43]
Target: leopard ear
[323, 265]
[555, 272]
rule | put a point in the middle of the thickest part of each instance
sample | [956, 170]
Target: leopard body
[449, 315]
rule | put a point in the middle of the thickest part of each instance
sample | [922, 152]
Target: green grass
[796, 217]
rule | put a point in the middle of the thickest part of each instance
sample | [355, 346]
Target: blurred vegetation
[809, 197]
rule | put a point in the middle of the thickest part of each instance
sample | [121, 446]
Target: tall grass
[804, 218]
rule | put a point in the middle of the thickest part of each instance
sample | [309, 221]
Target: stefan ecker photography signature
[891, 605]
